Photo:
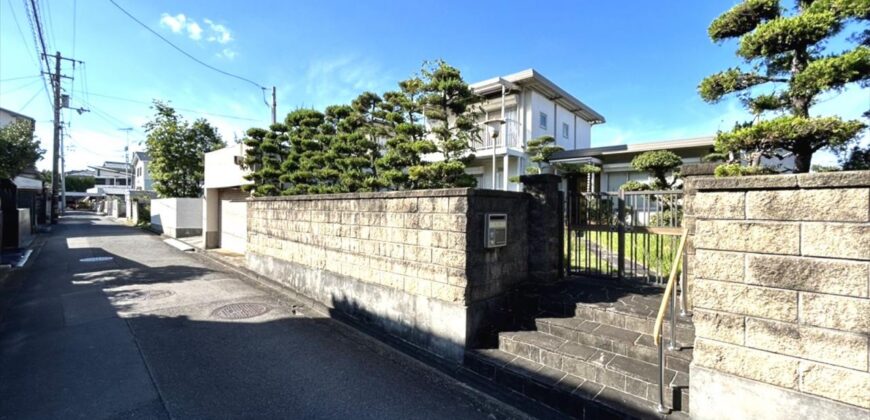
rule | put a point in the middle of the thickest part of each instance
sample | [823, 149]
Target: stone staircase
[584, 347]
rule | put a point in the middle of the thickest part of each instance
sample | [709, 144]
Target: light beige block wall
[780, 275]
[413, 244]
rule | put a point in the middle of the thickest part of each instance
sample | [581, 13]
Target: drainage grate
[139, 295]
[240, 311]
[95, 259]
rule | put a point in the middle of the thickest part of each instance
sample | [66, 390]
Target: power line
[24, 86]
[20, 78]
[185, 52]
[136, 101]
[20, 32]
[41, 57]
[32, 98]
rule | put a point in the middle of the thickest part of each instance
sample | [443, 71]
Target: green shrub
[736, 169]
[634, 186]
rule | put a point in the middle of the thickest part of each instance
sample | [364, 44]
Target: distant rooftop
[573, 155]
[17, 115]
[531, 78]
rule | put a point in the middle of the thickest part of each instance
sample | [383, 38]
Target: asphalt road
[107, 321]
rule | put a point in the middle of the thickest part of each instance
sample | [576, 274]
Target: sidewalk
[110, 322]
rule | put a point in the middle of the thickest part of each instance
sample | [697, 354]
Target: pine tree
[266, 150]
[405, 133]
[301, 168]
[788, 51]
[448, 106]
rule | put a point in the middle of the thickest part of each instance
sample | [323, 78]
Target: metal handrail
[657, 329]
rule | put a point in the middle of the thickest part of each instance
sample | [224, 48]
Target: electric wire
[136, 101]
[188, 55]
[11, 79]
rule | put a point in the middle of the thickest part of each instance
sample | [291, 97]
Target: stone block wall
[413, 262]
[780, 276]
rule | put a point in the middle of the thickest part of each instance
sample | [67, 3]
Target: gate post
[546, 227]
[620, 235]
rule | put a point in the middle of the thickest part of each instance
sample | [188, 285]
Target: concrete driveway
[107, 321]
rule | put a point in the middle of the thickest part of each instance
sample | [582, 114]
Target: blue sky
[637, 63]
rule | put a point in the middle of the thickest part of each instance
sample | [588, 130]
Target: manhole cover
[136, 295]
[95, 259]
[240, 311]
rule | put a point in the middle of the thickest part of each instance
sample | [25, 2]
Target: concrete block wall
[780, 275]
[177, 217]
[412, 262]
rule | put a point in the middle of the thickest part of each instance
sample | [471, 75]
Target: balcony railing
[510, 136]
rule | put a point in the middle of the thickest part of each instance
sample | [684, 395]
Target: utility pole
[127, 156]
[60, 102]
[62, 175]
[274, 106]
[55, 178]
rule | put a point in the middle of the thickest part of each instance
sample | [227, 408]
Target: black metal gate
[623, 235]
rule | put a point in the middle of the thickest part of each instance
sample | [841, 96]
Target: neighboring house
[533, 107]
[8, 117]
[111, 178]
[615, 161]
[224, 211]
[141, 176]
[22, 199]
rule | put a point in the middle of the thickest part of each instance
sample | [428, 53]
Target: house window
[542, 120]
[565, 130]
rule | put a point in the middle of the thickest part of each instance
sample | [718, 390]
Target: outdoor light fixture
[494, 126]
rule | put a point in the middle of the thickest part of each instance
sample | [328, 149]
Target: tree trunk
[803, 156]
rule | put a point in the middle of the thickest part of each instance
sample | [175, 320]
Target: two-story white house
[141, 176]
[111, 178]
[531, 106]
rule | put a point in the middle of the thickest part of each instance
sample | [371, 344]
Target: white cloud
[194, 31]
[175, 23]
[340, 79]
[219, 33]
[227, 53]
[214, 32]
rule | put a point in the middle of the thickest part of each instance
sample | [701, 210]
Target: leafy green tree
[405, 135]
[858, 159]
[79, 183]
[177, 149]
[658, 163]
[786, 53]
[448, 106]
[19, 149]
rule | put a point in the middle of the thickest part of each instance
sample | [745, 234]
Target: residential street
[148, 333]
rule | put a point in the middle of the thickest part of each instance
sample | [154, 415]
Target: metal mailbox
[495, 232]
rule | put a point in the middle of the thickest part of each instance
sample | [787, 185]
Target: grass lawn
[652, 251]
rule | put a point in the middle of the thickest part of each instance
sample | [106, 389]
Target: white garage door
[234, 227]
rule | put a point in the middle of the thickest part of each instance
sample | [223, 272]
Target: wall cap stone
[786, 181]
[444, 192]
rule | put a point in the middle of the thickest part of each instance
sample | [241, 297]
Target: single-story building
[224, 210]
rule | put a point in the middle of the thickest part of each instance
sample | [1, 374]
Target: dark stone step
[613, 339]
[570, 394]
[625, 374]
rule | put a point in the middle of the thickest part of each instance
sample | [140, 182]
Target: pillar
[546, 230]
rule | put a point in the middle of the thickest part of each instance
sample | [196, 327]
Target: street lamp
[494, 127]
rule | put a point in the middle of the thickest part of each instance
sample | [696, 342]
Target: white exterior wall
[540, 104]
[142, 182]
[174, 216]
[577, 139]
[221, 169]
[584, 134]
